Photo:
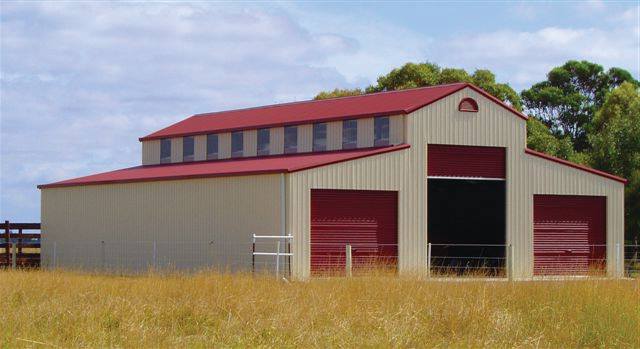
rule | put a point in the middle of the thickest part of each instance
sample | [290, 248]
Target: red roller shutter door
[569, 234]
[465, 161]
[366, 219]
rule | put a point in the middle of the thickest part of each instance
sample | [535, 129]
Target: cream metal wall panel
[547, 177]
[224, 145]
[195, 223]
[365, 133]
[334, 135]
[276, 140]
[405, 170]
[151, 152]
[250, 143]
[396, 129]
[492, 125]
[305, 138]
[495, 126]
[200, 147]
[176, 149]
[380, 172]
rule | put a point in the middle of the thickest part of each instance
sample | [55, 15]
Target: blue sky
[81, 81]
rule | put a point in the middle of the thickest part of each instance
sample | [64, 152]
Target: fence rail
[19, 249]
[279, 252]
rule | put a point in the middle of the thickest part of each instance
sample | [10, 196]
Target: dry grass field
[67, 309]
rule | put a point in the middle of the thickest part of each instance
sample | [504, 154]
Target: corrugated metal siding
[442, 123]
[176, 149]
[250, 143]
[365, 133]
[396, 129]
[465, 161]
[276, 138]
[334, 135]
[305, 138]
[200, 147]
[200, 222]
[151, 152]
[224, 145]
[540, 176]
[380, 172]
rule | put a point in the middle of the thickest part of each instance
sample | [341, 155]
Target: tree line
[581, 113]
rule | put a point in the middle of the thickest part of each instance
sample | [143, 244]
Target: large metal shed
[390, 173]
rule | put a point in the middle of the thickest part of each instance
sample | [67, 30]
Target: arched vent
[468, 104]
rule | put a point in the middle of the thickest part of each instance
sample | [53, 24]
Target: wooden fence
[17, 248]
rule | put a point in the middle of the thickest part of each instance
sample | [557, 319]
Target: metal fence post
[253, 255]
[510, 262]
[278, 259]
[429, 260]
[54, 255]
[348, 264]
[288, 249]
[13, 255]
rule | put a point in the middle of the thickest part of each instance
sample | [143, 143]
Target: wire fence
[275, 256]
[349, 258]
[488, 260]
[142, 256]
[632, 260]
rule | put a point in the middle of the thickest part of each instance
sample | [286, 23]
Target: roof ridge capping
[576, 166]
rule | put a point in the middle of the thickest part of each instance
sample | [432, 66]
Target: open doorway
[466, 225]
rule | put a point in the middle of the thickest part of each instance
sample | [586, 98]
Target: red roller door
[465, 161]
[569, 233]
[366, 219]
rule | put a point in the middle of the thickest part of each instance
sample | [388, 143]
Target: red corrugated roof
[576, 166]
[222, 168]
[383, 103]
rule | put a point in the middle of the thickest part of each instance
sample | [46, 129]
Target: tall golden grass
[72, 309]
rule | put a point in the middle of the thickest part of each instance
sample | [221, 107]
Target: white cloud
[544, 42]
[524, 57]
[81, 82]
[382, 46]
